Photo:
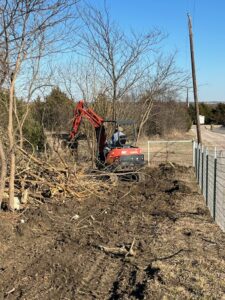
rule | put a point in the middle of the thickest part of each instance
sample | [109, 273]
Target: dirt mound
[143, 241]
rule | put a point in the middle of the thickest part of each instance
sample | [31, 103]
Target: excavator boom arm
[81, 111]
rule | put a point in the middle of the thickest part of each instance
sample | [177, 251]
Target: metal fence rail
[209, 167]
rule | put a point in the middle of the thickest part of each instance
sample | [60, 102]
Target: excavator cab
[129, 130]
[121, 155]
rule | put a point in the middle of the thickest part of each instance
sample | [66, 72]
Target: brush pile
[39, 180]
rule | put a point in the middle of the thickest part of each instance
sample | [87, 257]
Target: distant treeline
[214, 113]
[55, 113]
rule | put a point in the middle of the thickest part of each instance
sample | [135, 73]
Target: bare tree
[118, 56]
[3, 171]
[23, 26]
[32, 84]
[81, 79]
[166, 78]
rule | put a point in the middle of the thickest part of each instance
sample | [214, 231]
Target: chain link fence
[209, 164]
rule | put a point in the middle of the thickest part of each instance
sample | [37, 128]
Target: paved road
[215, 138]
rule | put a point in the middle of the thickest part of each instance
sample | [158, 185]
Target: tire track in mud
[97, 282]
[133, 282]
[114, 280]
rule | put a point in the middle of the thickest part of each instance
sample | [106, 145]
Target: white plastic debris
[16, 203]
[75, 217]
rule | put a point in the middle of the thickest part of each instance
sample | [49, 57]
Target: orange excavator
[115, 157]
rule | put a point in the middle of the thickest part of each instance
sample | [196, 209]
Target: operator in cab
[118, 138]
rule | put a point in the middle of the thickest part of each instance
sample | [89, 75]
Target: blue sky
[170, 16]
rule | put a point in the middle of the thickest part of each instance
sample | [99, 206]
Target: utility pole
[194, 81]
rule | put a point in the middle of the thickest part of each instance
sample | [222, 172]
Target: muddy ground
[152, 240]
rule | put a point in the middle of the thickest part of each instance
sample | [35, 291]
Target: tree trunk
[12, 157]
[93, 148]
[114, 102]
[21, 136]
[145, 117]
[3, 172]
